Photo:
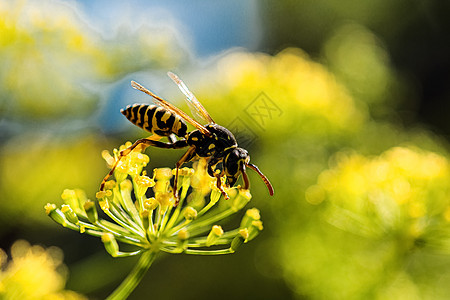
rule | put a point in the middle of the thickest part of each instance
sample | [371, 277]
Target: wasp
[211, 141]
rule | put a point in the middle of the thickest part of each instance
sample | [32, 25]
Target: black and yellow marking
[155, 119]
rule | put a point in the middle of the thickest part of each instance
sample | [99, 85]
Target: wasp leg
[190, 154]
[212, 163]
[220, 187]
[144, 143]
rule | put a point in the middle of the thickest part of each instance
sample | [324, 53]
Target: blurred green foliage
[35, 168]
[323, 250]
[361, 200]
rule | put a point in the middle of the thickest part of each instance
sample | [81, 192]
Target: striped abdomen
[155, 119]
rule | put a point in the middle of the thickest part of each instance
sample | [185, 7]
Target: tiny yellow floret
[183, 234]
[49, 208]
[217, 230]
[253, 213]
[190, 213]
[244, 233]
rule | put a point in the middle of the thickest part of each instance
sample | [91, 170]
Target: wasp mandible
[211, 141]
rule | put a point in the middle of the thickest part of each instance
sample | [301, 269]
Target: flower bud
[190, 213]
[182, 236]
[110, 160]
[215, 196]
[56, 214]
[91, 211]
[151, 204]
[254, 229]
[144, 217]
[110, 244]
[165, 199]
[250, 216]
[237, 241]
[241, 200]
[215, 233]
[74, 198]
[71, 216]
[126, 185]
[104, 204]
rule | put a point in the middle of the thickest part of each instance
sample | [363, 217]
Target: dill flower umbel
[141, 212]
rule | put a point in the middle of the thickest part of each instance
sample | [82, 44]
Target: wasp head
[235, 162]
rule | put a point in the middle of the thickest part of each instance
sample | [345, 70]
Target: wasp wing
[171, 108]
[195, 105]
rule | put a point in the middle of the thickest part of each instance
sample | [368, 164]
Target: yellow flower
[400, 186]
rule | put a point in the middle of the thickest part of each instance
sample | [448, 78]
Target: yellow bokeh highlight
[34, 273]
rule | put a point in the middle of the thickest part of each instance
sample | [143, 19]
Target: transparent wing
[196, 107]
[171, 107]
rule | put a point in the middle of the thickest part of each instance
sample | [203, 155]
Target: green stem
[133, 279]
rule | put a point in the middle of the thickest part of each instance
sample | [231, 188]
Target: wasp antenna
[263, 177]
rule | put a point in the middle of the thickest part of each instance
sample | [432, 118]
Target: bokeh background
[344, 105]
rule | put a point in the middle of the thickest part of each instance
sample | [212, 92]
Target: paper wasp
[211, 141]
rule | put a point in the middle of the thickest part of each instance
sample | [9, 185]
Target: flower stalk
[135, 276]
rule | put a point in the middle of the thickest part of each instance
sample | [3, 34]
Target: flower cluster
[140, 211]
[381, 227]
[403, 191]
